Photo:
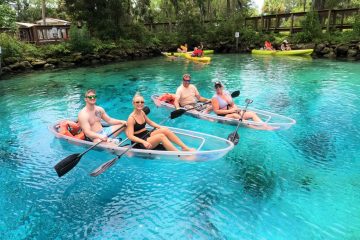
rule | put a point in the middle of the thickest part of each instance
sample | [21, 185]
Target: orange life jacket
[71, 129]
[168, 98]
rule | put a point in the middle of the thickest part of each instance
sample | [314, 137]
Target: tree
[7, 16]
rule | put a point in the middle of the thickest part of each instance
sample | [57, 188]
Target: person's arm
[85, 126]
[217, 110]
[200, 98]
[151, 123]
[130, 133]
[177, 98]
[110, 120]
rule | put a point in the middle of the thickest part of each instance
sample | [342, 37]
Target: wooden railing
[330, 19]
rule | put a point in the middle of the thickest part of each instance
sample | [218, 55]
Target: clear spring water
[302, 183]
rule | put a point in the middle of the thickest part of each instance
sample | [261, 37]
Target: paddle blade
[248, 101]
[235, 94]
[103, 167]
[177, 113]
[146, 110]
[234, 138]
[67, 164]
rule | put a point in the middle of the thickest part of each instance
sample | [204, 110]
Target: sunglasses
[91, 97]
[217, 86]
[139, 102]
[187, 80]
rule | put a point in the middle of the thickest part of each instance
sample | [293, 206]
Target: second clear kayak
[283, 53]
[271, 121]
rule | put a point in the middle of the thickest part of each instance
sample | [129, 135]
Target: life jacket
[71, 129]
[168, 98]
[268, 45]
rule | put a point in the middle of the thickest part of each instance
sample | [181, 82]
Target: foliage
[56, 50]
[311, 28]
[137, 32]
[356, 26]
[190, 28]
[10, 46]
[7, 16]
[80, 39]
[103, 46]
[105, 19]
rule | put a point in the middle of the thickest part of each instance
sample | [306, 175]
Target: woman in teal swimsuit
[145, 139]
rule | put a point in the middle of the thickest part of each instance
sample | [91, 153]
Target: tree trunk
[228, 7]
[318, 4]
[43, 8]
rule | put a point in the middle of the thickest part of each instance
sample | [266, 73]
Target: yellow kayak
[283, 53]
[178, 54]
[197, 59]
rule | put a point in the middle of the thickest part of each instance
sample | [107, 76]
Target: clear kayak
[271, 121]
[197, 59]
[283, 53]
[178, 54]
[208, 147]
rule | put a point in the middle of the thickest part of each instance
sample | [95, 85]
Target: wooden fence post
[291, 24]
[328, 22]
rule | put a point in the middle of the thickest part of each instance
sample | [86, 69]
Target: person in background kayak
[90, 120]
[285, 46]
[187, 94]
[223, 105]
[137, 132]
[183, 48]
[268, 46]
[198, 52]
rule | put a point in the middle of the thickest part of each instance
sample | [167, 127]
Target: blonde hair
[137, 94]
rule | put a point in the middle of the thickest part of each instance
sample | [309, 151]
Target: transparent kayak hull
[208, 147]
[272, 120]
[283, 53]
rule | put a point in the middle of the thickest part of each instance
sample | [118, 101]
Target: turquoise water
[301, 183]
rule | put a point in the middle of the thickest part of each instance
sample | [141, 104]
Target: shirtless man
[187, 94]
[90, 120]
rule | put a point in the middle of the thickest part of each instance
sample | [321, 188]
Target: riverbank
[342, 51]
[15, 65]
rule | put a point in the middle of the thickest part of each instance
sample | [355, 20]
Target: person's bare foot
[188, 149]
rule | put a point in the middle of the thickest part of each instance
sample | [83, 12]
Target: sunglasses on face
[91, 97]
[187, 81]
[139, 102]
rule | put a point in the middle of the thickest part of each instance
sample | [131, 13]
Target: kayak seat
[159, 147]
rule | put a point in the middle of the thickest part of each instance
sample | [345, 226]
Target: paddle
[71, 161]
[234, 136]
[103, 167]
[181, 111]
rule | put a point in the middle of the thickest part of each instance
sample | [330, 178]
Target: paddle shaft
[205, 103]
[241, 118]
